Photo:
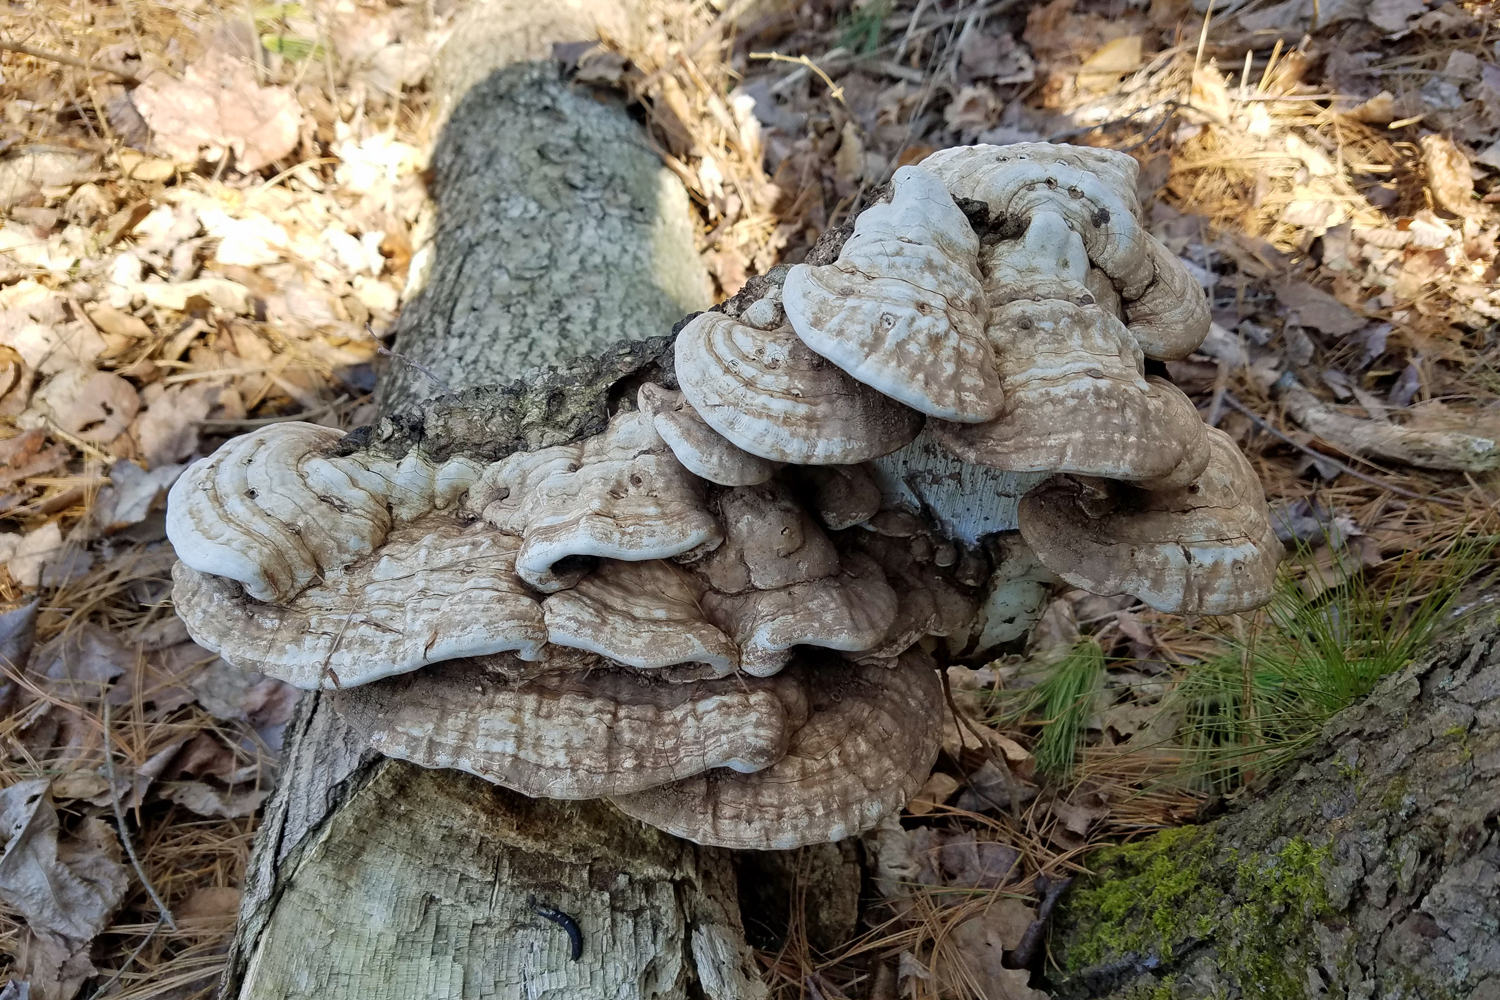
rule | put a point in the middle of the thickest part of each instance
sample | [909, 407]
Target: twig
[1263, 424]
[911, 29]
[130, 960]
[210, 425]
[1172, 106]
[1208, 17]
[836, 92]
[114, 795]
[1001, 765]
[387, 352]
[287, 173]
[67, 60]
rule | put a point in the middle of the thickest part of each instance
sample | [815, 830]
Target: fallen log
[560, 233]
[1369, 868]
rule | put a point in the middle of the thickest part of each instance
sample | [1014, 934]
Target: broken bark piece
[1456, 450]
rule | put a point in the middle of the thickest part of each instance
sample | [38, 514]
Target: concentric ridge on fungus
[713, 610]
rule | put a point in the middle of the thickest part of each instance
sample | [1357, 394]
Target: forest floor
[212, 214]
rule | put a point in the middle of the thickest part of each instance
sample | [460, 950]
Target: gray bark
[373, 878]
[1370, 870]
[376, 879]
[559, 234]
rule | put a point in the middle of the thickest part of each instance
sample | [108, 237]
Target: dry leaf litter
[211, 218]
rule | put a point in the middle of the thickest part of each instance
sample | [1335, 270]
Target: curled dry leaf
[217, 105]
[212, 908]
[91, 405]
[65, 888]
[974, 953]
[28, 454]
[206, 800]
[168, 431]
[1448, 176]
[1316, 308]
[132, 494]
[28, 555]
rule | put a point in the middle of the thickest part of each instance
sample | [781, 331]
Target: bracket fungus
[902, 309]
[717, 599]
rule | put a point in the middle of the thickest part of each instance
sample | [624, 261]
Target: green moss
[1147, 898]
[1153, 897]
[1395, 791]
[1269, 938]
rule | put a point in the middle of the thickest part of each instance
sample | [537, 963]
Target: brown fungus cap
[702, 450]
[642, 614]
[1207, 548]
[629, 498]
[841, 495]
[770, 541]
[1017, 182]
[902, 308]
[1077, 403]
[578, 735]
[770, 394]
[1171, 317]
[930, 602]
[435, 589]
[851, 610]
[866, 747]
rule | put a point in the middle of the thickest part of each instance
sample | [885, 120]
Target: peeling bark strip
[1371, 870]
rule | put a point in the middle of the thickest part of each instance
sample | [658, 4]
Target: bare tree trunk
[1371, 869]
[559, 235]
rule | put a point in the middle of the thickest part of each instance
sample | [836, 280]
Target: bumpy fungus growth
[716, 610]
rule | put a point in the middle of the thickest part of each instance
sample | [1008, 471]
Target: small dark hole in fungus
[569, 565]
[1195, 488]
[251, 493]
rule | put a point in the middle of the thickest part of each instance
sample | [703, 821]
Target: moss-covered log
[1368, 869]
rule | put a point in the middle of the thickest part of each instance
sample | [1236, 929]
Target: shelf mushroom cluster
[711, 611]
